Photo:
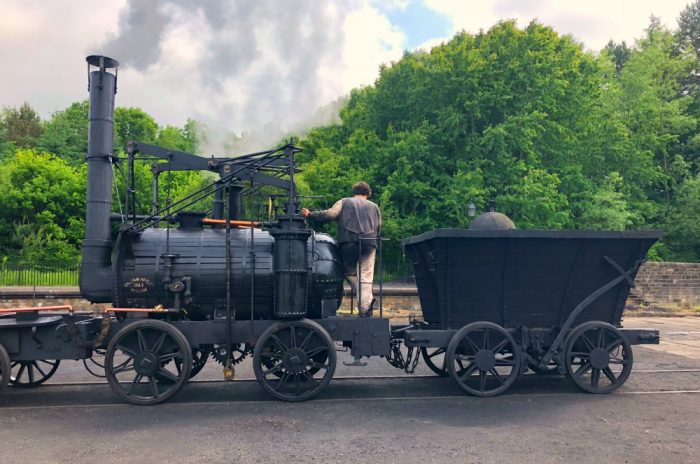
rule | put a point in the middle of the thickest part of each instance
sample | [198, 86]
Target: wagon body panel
[522, 277]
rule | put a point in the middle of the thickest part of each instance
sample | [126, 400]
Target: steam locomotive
[184, 286]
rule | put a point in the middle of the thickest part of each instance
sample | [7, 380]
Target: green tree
[133, 124]
[66, 133]
[21, 126]
[682, 226]
[42, 202]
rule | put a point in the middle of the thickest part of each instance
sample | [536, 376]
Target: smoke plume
[256, 69]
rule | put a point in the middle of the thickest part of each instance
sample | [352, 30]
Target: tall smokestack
[96, 268]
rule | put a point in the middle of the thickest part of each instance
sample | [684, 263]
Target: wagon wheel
[285, 360]
[30, 374]
[598, 357]
[4, 367]
[483, 358]
[95, 364]
[428, 356]
[139, 355]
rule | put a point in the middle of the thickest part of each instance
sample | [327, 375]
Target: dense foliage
[557, 136]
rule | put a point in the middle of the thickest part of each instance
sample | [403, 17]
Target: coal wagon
[497, 302]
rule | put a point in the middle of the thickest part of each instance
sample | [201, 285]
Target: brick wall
[667, 286]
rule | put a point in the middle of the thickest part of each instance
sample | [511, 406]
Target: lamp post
[471, 210]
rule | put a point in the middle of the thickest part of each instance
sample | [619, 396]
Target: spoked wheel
[4, 367]
[143, 352]
[598, 357]
[199, 360]
[30, 374]
[286, 360]
[435, 359]
[483, 359]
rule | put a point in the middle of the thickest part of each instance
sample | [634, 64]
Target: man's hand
[305, 212]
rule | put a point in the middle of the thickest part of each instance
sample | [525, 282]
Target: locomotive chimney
[96, 268]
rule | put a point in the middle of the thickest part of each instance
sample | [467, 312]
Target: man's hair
[362, 188]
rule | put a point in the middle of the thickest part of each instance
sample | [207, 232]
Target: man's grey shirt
[357, 218]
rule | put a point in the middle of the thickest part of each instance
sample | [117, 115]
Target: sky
[249, 66]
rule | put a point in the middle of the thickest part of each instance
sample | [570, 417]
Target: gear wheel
[220, 353]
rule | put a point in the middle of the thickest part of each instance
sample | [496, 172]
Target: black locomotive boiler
[186, 286]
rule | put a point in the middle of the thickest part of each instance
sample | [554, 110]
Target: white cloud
[592, 22]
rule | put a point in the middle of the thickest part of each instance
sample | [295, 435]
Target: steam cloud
[257, 68]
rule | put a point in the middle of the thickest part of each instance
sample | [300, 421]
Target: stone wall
[667, 286]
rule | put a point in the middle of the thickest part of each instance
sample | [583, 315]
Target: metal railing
[11, 276]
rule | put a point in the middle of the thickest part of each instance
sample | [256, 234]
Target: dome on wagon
[492, 221]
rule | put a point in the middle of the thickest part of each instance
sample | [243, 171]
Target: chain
[396, 359]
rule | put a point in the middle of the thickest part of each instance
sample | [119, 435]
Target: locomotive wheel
[31, 374]
[285, 360]
[199, 360]
[429, 357]
[598, 357]
[483, 359]
[4, 367]
[140, 354]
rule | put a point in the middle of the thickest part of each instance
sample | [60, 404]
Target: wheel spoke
[279, 342]
[595, 377]
[297, 384]
[600, 341]
[36, 365]
[135, 382]
[580, 355]
[154, 386]
[306, 340]
[141, 339]
[610, 374]
[159, 343]
[30, 371]
[482, 380]
[497, 349]
[318, 365]
[276, 368]
[623, 362]
[461, 357]
[293, 336]
[588, 343]
[436, 352]
[467, 372]
[315, 351]
[495, 373]
[308, 375]
[613, 345]
[475, 349]
[126, 351]
[486, 340]
[505, 362]
[167, 357]
[123, 367]
[22, 366]
[282, 381]
[168, 375]
[583, 369]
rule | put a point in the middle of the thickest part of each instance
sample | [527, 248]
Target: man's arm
[326, 215]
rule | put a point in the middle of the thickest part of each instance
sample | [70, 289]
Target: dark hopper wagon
[496, 302]
[186, 287]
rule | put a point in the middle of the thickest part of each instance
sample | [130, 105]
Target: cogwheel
[220, 353]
